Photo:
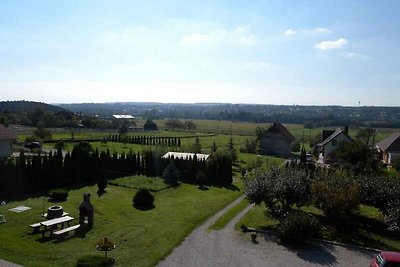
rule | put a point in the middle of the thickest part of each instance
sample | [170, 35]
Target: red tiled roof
[5, 133]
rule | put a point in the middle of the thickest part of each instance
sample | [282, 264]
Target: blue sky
[269, 52]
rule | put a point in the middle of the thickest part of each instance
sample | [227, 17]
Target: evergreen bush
[143, 198]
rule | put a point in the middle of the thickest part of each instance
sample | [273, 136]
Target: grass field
[368, 227]
[141, 237]
[137, 181]
[229, 215]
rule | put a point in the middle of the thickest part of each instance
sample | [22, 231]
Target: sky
[262, 52]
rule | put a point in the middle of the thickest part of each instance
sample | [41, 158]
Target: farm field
[142, 237]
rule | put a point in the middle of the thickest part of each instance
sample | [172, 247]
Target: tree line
[28, 175]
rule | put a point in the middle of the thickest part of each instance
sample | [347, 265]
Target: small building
[277, 140]
[389, 148]
[7, 138]
[330, 141]
[185, 156]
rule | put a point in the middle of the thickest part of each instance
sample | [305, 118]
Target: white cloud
[290, 32]
[241, 36]
[356, 55]
[195, 38]
[322, 30]
[329, 45]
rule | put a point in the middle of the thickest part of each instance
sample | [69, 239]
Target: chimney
[346, 129]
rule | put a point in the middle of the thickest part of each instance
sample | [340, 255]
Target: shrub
[102, 184]
[171, 175]
[58, 195]
[296, 227]
[143, 198]
[201, 178]
[337, 195]
[278, 189]
[94, 261]
[59, 145]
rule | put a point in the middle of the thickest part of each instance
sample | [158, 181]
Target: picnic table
[51, 225]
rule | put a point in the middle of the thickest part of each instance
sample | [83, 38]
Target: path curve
[228, 247]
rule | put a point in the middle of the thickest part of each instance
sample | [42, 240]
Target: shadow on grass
[144, 208]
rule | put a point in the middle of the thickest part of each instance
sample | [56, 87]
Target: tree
[197, 145]
[366, 135]
[171, 175]
[173, 124]
[123, 129]
[337, 195]
[278, 189]
[214, 147]
[42, 132]
[150, 126]
[232, 150]
[303, 156]
[190, 126]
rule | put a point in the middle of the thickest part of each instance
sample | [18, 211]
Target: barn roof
[5, 133]
[392, 143]
[278, 128]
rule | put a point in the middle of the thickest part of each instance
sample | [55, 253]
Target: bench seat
[66, 230]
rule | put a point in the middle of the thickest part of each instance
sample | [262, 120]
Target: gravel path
[232, 248]
[4, 263]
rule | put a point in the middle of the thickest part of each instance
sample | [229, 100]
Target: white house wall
[330, 148]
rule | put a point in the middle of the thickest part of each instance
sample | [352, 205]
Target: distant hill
[31, 113]
[310, 116]
[28, 106]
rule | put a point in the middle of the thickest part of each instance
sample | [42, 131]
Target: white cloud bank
[195, 38]
[329, 45]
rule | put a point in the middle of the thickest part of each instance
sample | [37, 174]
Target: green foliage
[297, 227]
[250, 146]
[358, 155]
[201, 178]
[59, 145]
[94, 261]
[42, 132]
[171, 175]
[337, 195]
[295, 146]
[173, 124]
[303, 156]
[190, 125]
[396, 164]
[196, 148]
[58, 195]
[143, 198]
[102, 184]
[366, 135]
[149, 125]
[123, 129]
[278, 189]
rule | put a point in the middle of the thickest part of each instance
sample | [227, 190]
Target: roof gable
[5, 133]
[392, 143]
[335, 135]
[278, 128]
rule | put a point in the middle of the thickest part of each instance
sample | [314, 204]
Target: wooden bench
[64, 232]
[36, 227]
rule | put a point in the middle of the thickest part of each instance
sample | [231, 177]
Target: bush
[143, 198]
[279, 189]
[337, 195]
[201, 178]
[58, 195]
[171, 175]
[296, 227]
[94, 261]
[102, 184]
[59, 145]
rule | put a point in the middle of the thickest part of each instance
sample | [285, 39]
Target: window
[334, 142]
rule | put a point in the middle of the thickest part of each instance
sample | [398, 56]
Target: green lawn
[137, 181]
[142, 238]
[229, 215]
[368, 228]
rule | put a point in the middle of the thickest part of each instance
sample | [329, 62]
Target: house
[389, 148]
[185, 156]
[330, 141]
[7, 138]
[276, 140]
